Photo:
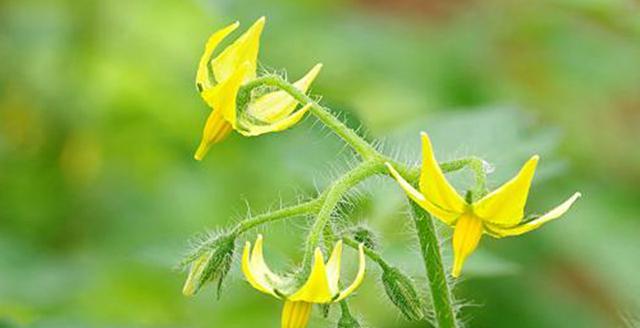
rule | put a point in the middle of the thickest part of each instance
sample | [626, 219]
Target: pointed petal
[333, 268]
[259, 266]
[555, 213]
[244, 49]
[359, 276]
[440, 213]
[203, 81]
[222, 97]
[505, 205]
[466, 237]
[274, 106]
[295, 314]
[316, 289]
[254, 276]
[252, 130]
[305, 82]
[215, 130]
[433, 184]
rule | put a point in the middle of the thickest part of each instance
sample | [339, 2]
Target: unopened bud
[212, 264]
[196, 271]
[402, 292]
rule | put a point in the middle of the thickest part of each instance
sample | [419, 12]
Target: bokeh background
[99, 118]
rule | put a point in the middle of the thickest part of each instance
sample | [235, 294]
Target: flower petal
[333, 267]
[442, 214]
[222, 97]
[466, 237]
[203, 81]
[359, 276]
[252, 130]
[256, 270]
[274, 106]
[258, 265]
[215, 130]
[555, 213]
[434, 185]
[316, 289]
[244, 49]
[505, 205]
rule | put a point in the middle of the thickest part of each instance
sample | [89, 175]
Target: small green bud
[402, 292]
[212, 263]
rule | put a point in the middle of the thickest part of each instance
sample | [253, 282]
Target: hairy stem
[301, 209]
[334, 194]
[361, 146]
[371, 254]
[441, 295]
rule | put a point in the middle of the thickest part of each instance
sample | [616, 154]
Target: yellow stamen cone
[295, 314]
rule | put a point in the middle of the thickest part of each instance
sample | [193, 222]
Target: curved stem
[304, 208]
[361, 146]
[334, 194]
[371, 254]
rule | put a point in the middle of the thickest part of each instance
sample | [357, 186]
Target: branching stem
[335, 193]
[372, 164]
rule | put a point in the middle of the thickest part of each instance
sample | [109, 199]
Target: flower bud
[402, 292]
[211, 264]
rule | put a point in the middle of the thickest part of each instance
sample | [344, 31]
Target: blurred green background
[99, 118]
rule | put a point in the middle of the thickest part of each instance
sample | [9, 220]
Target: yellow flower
[498, 214]
[218, 80]
[321, 286]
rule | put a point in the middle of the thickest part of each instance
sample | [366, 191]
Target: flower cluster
[252, 105]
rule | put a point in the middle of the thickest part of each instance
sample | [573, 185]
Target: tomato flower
[219, 79]
[498, 214]
[321, 287]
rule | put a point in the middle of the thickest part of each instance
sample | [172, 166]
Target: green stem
[432, 256]
[301, 209]
[371, 254]
[360, 145]
[333, 196]
[413, 173]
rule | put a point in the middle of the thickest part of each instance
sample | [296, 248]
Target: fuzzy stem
[432, 256]
[361, 146]
[371, 254]
[334, 194]
[301, 209]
